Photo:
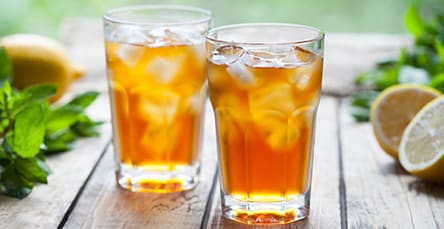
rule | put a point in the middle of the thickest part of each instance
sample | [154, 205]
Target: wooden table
[355, 184]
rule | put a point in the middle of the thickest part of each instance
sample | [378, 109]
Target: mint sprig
[424, 64]
[31, 128]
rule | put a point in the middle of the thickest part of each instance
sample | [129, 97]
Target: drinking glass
[264, 83]
[157, 87]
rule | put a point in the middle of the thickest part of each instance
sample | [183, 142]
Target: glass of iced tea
[155, 59]
[264, 83]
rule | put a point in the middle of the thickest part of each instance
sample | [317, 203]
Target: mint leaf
[439, 46]
[29, 130]
[62, 118]
[12, 184]
[60, 141]
[56, 146]
[5, 67]
[413, 21]
[32, 169]
[85, 127]
[40, 92]
[361, 103]
[84, 100]
[438, 82]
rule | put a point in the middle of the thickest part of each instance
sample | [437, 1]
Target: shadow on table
[415, 184]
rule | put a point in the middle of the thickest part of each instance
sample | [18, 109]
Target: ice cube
[273, 127]
[198, 50]
[283, 56]
[130, 54]
[261, 58]
[158, 140]
[196, 101]
[277, 97]
[227, 54]
[300, 123]
[158, 106]
[304, 56]
[164, 69]
[241, 74]
[307, 76]
[126, 34]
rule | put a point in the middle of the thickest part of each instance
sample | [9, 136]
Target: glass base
[281, 212]
[148, 179]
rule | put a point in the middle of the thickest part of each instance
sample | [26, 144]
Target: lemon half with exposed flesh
[393, 110]
[421, 151]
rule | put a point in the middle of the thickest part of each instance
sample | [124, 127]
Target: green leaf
[438, 82]
[364, 99]
[5, 67]
[40, 92]
[13, 184]
[85, 127]
[387, 78]
[413, 21]
[439, 46]
[368, 78]
[60, 141]
[32, 169]
[361, 103]
[56, 146]
[29, 130]
[61, 118]
[84, 100]
[360, 114]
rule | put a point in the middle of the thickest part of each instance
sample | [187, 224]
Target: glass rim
[320, 34]
[108, 16]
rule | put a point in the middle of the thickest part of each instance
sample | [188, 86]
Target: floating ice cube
[301, 79]
[227, 54]
[198, 50]
[307, 75]
[273, 127]
[196, 101]
[173, 36]
[241, 74]
[126, 34]
[130, 54]
[157, 105]
[279, 56]
[261, 58]
[278, 98]
[164, 69]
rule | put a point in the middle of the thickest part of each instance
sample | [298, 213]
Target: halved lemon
[392, 111]
[422, 146]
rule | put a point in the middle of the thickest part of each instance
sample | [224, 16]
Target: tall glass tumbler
[264, 83]
[157, 85]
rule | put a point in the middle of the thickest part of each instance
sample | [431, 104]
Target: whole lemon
[38, 59]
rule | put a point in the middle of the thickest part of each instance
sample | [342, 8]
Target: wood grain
[47, 204]
[104, 205]
[325, 209]
[379, 193]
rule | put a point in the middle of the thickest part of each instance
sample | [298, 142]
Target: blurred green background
[46, 16]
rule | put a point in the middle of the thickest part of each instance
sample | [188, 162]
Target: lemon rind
[405, 162]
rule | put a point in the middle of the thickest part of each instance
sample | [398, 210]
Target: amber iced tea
[264, 100]
[157, 87]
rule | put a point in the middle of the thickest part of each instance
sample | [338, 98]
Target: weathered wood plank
[325, 209]
[47, 204]
[379, 193]
[104, 205]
